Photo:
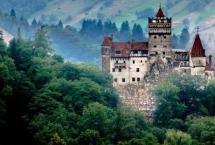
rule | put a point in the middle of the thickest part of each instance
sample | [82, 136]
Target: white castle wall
[129, 71]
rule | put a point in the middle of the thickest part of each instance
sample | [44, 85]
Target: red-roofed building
[130, 62]
[197, 49]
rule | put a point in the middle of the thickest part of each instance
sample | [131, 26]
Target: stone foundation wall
[139, 98]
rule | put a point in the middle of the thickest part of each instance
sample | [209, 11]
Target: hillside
[74, 11]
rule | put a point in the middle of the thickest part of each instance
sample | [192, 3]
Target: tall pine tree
[124, 34]
[137, 32]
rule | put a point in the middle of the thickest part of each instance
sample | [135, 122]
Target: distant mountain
[193, 12]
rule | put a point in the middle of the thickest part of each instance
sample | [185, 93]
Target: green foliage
[56, 140]
[202, 129]
[167, 96]
[89, 137]
[177, 138]
[179, 97]
[2, 47]
[209, 99]
[41, 43]
[128, 124]
[97, 117]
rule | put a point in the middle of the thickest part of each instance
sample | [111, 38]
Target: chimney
[210, 61]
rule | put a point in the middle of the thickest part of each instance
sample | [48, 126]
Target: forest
[45, 100]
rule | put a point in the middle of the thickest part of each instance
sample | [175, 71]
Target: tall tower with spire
[160, 35]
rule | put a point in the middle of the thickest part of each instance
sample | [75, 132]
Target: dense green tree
[34, 23]
[202, 129]
[177, 138]
[167, 96]
[137, 33]
[209, 97]
[56, 140]
[97, 117]
[12, 13]
[60, 24]
[3, 48]
[125, 34]
[41, 43]
[128, 124]
[89, 137]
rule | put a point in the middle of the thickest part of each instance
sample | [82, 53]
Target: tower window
[164, 36]
[138, 79]
[138, 70]
[133, 61]
[113, 70]
[120, 70]
[117, 61]
[133, 79]
[123, 79]
[115, 80]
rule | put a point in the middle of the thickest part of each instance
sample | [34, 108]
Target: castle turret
[106, 53]
[160, 35]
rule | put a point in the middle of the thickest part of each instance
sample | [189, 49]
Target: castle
[131, 62]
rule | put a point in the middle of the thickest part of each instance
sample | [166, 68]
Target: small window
[117, 61]
[133, 79]
[118, 52]
[155, 46]
[138, 70]
[164, 46]
[120, 70]
[113, 70]
[155, 37]
[123, 80]
[115, 80]
[138, 79]
[133, 61]
[141, 61]
[164, 36]
[124, 61]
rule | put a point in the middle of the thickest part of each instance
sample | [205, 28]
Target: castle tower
[106, 53]
[197, 54]
[160, 35]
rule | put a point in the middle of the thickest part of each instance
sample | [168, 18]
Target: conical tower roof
[197, 50]
[160, 13]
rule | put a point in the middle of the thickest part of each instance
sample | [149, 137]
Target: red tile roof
[139, 45]
[197, 50]
[107, 41]
[123, 47]
[160, 13]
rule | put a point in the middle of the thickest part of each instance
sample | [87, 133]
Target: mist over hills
[190, 13]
